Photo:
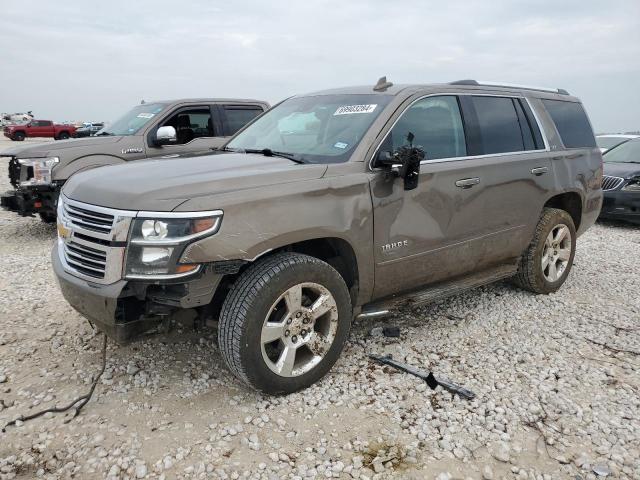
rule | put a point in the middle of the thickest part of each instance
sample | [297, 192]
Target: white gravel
[551, 403]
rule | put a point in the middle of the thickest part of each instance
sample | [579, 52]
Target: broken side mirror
[166, 135]
[404, 163]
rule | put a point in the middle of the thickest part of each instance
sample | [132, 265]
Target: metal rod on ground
[431, 380]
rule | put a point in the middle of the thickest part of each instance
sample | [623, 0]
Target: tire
[18, 136]
[533, 274]
[47, 217]
[63, 136]
[263, 294]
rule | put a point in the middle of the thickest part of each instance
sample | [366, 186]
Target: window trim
[468, 157]
[176, 110]
[237, 106]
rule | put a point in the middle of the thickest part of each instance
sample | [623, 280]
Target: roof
[465, 85]
[209, 100]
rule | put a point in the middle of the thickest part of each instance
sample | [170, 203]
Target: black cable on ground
[78, 402]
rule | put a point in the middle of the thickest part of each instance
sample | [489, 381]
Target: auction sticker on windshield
[146, 115]
[349, 109]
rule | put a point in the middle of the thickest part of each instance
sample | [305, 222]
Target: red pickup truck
[39, 128]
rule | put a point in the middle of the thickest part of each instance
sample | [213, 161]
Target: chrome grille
[86, 260]
[611, 183]
[92, 247]
[88, 219]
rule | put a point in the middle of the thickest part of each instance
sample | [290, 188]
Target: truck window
[191, 123]
[499, 125]
[45, 123]
[238, 117]
[436, 125]
[571, 122]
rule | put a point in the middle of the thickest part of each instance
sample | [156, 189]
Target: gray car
[340, 203]
[38, 172]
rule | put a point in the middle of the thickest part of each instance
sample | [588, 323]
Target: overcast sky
[69, 60]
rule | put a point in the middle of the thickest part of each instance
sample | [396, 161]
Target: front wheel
[284, 322]
[546, 263]
[63, 136]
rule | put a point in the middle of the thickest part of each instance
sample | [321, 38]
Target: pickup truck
[155, 129]
[341, 203]
[39, 128]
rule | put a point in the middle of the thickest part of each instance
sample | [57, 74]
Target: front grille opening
[611, 183]
[100, 241]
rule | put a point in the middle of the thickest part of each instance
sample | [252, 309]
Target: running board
[438, 291]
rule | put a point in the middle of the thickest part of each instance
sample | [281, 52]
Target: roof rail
[561, 91]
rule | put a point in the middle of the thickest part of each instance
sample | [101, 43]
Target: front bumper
[126, 309]
[618, 205]
[26, 201]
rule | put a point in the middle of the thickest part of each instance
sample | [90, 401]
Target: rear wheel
[284, 322]
[18, 136]
[545, 265]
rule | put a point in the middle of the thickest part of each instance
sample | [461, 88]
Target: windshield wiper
[267, 152]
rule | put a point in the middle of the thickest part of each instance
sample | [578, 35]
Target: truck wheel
[47, 217]
[547, 261]
[63, 136]
[284, 322]
[18, 136]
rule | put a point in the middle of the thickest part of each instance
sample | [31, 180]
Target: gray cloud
[90, 60]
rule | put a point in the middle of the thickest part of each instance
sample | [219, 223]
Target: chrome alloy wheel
[299, 329]
[556, 252]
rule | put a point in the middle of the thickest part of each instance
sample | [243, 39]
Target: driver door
[432, 232]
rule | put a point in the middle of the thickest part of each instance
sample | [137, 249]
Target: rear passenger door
[516, 172]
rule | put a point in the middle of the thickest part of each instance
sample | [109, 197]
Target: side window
[571, 122]
[238, 117]
[191, 123]
[499, 125]
[46, 123]
[436, 125]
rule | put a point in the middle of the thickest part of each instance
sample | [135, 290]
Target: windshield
[628, 152]
[610, 142]
[315, 129]
[133, 120]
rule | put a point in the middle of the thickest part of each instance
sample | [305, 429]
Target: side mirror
[404, 163]
[166, 136]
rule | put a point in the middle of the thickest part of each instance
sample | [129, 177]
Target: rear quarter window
[571, 122]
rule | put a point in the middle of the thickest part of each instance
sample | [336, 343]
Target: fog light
[151, 255]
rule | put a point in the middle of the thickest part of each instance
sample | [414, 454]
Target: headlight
[41, 170]
[632, 185]
[157, 241]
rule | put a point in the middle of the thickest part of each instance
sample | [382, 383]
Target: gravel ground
[556, 379]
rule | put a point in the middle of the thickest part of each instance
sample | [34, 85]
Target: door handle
[539, 171]
[467, 182]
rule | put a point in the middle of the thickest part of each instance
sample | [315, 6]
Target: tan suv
[334, 204]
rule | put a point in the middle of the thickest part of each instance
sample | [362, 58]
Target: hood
[57, 148]
[622, 170]
[163, 184]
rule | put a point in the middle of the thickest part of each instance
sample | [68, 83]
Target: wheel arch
[570, 202]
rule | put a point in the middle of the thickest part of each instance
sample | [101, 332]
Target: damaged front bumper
[126, 309]
[619, 205]
[28, 201]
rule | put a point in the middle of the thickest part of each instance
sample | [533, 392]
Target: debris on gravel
[550, 403]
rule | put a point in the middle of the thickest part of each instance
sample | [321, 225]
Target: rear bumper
[27, 201]
[618, 205]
